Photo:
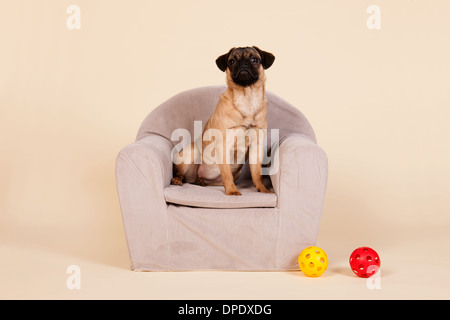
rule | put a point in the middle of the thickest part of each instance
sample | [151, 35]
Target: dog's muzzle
[245, 76]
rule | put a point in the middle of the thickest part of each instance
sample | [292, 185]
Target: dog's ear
[267, 58]
[222, 61]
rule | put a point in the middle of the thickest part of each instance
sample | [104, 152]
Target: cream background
[379, 101]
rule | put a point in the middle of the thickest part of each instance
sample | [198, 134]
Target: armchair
[189, 227]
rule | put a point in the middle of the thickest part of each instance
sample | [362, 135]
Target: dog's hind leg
[185, 168]
[177, 179]
[200, 182]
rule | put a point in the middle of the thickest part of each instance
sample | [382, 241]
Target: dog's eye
[231, 62]
[255, 60]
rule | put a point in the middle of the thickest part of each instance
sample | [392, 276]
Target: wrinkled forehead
[246, 53]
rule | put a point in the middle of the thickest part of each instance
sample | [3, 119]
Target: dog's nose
[244, 67]
[243, 64]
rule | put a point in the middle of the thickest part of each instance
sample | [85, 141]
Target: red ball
[364, 262]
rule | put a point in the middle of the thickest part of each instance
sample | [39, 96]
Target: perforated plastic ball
[364, 262]
[313, 261]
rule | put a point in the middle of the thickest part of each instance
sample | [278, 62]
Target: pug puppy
[240, 113]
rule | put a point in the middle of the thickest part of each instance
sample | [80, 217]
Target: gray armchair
[191, 227]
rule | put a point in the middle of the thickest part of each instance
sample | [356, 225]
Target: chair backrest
[183, 109]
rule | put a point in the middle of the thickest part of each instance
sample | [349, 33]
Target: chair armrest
[300, 162]
[300, 184]
[157, 149]
[143, 170]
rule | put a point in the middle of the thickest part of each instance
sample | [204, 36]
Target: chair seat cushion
[215, 197]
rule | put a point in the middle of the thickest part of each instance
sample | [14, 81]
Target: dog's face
[245, 64]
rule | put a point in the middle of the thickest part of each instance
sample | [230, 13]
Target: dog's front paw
[263, 189]
[234, 192]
